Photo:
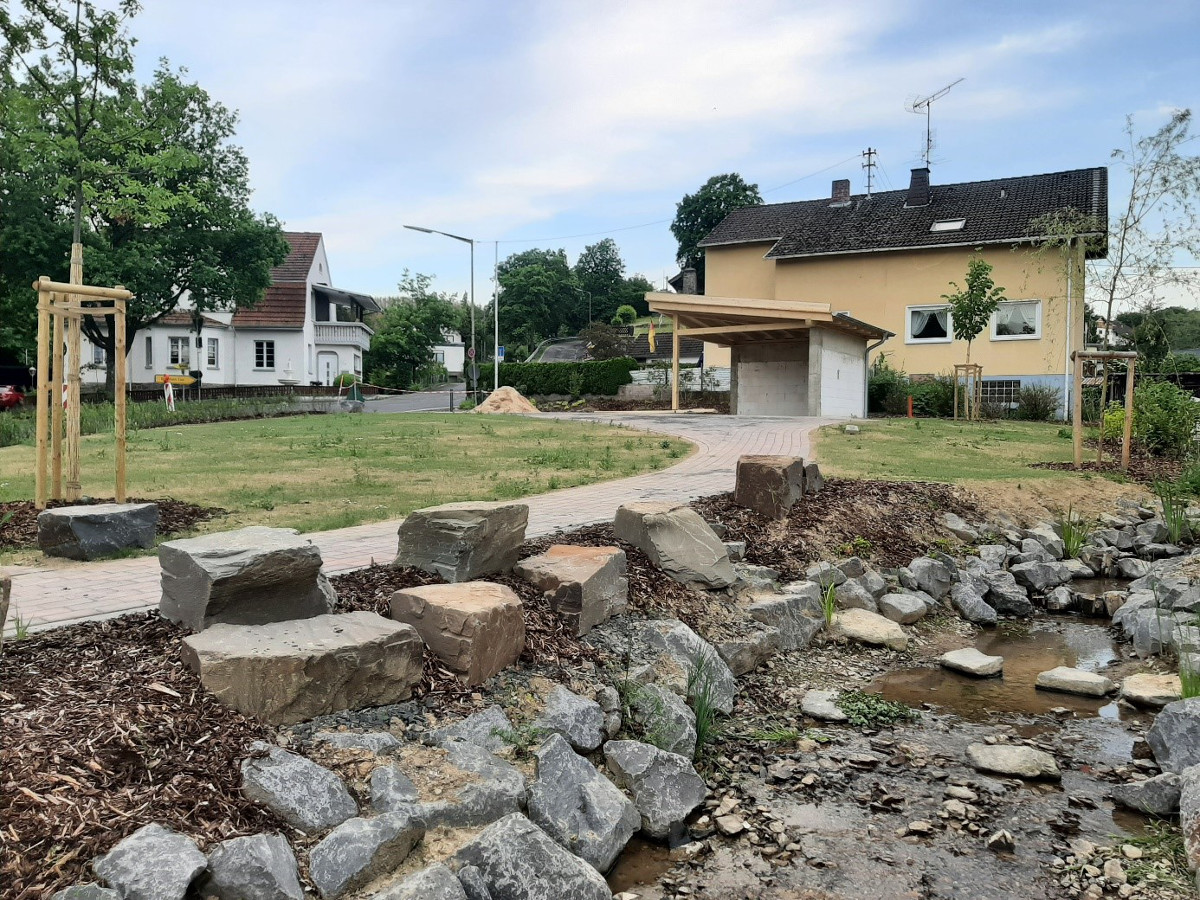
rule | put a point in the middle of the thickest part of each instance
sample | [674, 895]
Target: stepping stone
[461, 541]
[1075, 681]
[584, 585]
[1155, 691]
[477, 628]
[97, 531]
[677, 540]
[822, 705]
[288, 672]
[869, 628]
[1013, 759]
[971, 661]
[246, 577]
[770, 485]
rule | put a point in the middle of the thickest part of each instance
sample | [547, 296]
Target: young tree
[699, 213]
[407, 330]
[603, 341]
[972, 305]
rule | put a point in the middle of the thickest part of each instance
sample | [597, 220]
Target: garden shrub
[1112, 428]
[1164, 418]
[886, 388]
[1038, 403]
[604, 376]
[932, 397]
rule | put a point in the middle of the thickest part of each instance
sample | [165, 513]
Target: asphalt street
[423, 401]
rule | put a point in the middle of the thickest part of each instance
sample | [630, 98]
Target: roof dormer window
[948, 225]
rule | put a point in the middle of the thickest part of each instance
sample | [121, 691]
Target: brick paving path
[65, 592]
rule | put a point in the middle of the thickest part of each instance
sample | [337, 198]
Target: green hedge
[602, 376]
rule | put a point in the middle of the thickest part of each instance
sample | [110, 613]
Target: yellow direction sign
[180, 380]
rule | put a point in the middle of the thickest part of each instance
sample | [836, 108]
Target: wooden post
[43, 394]
[675, 363]
[956, 393]
[119, 394]
[1077, 410]
[1128, 437]
[1103, 399]
[74, 351]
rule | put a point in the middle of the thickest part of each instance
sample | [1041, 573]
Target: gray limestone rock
[434, 882]
[257, 867]
[1174, 737]
[1101, 560]
[1157, 796]
[1130, 567]
[578, 807]
[852, 595]
[377, 742]
[1040, 576]
[677, 540]
[1189, 815]
[824, 574]
[473, 884]
[822, 705]
[1060, 599]
[676, 652]
[1046, 535]
[736, 550]
[496, 790]
[874, 583]
[971, 661]
[98, 530]
[153, 863]
[461, 541]
[360, 850]
[795, 613]
[966, 600]
[91, 891]
[959, 528]
[579, 720]
[519, 861]
[993, 556]
[302, 793]
[664, 786]
[483, 729]
[902, 608]
[752, 646]
[853, 567]
[931, 576]
[245, 577]
[392, 790]
[1006, 596]
[666, 720]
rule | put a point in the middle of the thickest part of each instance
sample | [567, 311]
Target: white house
[303, 331]
[451, 353]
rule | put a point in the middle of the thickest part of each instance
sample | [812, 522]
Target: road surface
[423, 401]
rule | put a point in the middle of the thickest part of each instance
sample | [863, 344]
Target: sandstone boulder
[461, 541]
[476, 628]
[97, 530]
[970, 661]
[250, 576]
[287, 672]
[664, 786]
[678, 541]
[585, 585]
[1156, 691]
[869, 628]
[770, 485]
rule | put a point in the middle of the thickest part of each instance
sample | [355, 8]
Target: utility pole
[869, 165]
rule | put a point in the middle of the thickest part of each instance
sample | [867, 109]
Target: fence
[147, 392]
[715, 378]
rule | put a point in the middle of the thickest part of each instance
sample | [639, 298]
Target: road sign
[178, 380]
[470, 353]
[500, 353]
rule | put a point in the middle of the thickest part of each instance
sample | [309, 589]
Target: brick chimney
[688, 284]
[841, 193]
[918, 188]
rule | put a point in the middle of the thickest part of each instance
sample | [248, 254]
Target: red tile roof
[285, 301]
[183, 317]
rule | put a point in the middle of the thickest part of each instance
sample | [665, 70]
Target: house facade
[889, 257]
[303, 331]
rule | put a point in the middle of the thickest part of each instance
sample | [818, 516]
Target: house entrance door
[327, 367]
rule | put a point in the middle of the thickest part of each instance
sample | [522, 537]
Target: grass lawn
[991, 458]
[333, 471]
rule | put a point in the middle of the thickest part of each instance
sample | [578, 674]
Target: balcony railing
[355, 334]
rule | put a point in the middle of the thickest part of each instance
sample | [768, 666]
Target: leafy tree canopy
[972, 305]
[699, 213]
[407, 330]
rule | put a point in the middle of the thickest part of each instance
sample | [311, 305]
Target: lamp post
[587, 294]
[472, 301]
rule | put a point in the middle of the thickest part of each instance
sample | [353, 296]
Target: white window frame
[180, 351]
[262, 350]
[212, 353]
[1037, 328]
[98, 355]
[928, 307]
[149, 351]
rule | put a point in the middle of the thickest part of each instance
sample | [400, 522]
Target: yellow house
[887, 259]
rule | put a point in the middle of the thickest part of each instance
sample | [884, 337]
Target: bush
[592, 377]
[1112, 427]
[1038, 403]
[933, 397]
[625, 315]
[1164, 418]
[345, 380]
[886, 388]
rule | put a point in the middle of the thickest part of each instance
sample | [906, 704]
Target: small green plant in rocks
[870, 710]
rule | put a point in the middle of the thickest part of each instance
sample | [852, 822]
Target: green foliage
[625, 315]
[1189, 480]
[829, 603]
[1075, 532]
[598, 376]
[699, 213]
[886, 388]
[972, 305]
[701, 694]
[871, 710]
[1174, 509]
[1164, 418]
[1189, 677]
[406, 332]
[346, 379]
[1112, 426]
[604, 341]
[599, 272]
[933, 397]
[1164, 861]
[1038, 403]
[1180, 330]
[522, 738]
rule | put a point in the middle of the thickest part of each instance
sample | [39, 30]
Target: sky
[556, 124]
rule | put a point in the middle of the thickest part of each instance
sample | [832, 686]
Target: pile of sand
[505, 400]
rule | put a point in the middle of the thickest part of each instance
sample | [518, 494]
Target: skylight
[948, 225]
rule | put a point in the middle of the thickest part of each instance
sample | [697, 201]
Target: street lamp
[472, 303]
[588, 294]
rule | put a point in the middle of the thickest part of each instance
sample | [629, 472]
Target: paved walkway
[70, 592]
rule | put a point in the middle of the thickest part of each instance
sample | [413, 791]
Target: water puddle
[642, 862]
[1027, 650]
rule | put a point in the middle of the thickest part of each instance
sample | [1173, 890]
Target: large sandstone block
[770, 485]
[5, 596]
[476, 628]
[97, 530]
[245, 577]
[287, 672]
[461, 541]
[676, 540]
[585, 585]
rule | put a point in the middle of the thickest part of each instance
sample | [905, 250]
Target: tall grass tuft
[1075, 533]
[701, 693]
[1174, 509]
[1189, 676]
[829, 603]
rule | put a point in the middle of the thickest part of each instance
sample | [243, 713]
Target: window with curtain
[1017, 319]
[181, 353]
[214, 353]
[929, 323]
[149, 352]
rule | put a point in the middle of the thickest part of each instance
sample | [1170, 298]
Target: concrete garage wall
[770, 379]
[841, 373]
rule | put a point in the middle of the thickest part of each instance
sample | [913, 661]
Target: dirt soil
[506, 400]
[174, 517]
[1041, 500]
[104, 730]
[1142, 469]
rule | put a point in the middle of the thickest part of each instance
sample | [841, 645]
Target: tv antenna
[870, 153]
[924, 105]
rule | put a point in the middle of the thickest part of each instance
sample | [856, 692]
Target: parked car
[10, 396]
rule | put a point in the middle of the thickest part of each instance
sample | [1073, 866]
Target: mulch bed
[174, 517]
[718, 402]
[104, 731]
[1142, 469]
[886, 522]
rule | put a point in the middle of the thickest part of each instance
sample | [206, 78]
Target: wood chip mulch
[103, 730]
[887, 523]
[1142, 469]
[18, 519]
